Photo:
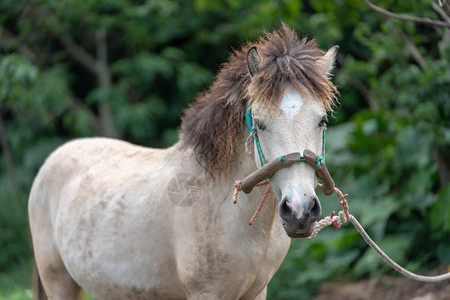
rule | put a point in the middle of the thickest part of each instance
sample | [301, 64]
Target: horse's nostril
[316, 209]
[284, 209]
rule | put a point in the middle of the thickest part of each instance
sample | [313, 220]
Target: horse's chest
[230, 265]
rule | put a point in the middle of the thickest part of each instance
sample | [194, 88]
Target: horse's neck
[217, 194]
[213, 207]
[243, 165]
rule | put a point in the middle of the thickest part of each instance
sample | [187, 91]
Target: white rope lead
[341, 219]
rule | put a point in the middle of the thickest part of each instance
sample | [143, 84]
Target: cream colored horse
[127, 222]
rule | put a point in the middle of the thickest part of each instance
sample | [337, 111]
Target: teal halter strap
[252, 129]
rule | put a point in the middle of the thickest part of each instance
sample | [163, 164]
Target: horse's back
[74, 162]
[91, 205]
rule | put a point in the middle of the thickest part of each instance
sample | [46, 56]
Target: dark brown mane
[213, 124]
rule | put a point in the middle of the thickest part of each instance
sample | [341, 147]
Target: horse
[123, 221]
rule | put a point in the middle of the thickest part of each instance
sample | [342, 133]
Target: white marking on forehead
[291, 102]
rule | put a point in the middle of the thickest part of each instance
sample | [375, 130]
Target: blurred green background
[127, 68]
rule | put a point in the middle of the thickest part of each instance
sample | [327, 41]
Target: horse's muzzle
[298, 220]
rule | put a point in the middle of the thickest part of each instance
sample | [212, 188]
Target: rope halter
[262, 175]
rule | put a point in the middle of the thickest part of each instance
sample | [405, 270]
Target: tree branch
[23, 48]
[441, 12]
[390, 14]
[445, 6]
[83, 57]
[104, 76]
[444, 11]
[414, 50]
[97, 65]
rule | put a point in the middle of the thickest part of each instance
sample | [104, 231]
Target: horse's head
[293, 123]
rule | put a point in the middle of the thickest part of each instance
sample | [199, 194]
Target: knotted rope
[337, 220]
[344, 216]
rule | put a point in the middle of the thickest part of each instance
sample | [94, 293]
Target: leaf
[440, 211]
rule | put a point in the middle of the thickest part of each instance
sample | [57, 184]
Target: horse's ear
[328, 60]
[253, 61]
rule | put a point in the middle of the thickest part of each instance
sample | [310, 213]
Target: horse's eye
[260, 125]
[323, 121]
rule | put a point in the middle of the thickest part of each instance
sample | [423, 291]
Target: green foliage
[13, 230]
[387, 147]
[15, 284]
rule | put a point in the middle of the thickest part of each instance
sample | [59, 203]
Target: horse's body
[129, 222]
[101, 211]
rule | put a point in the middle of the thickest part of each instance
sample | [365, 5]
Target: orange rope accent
[259, 206]
[238, 188]
[342, 200]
